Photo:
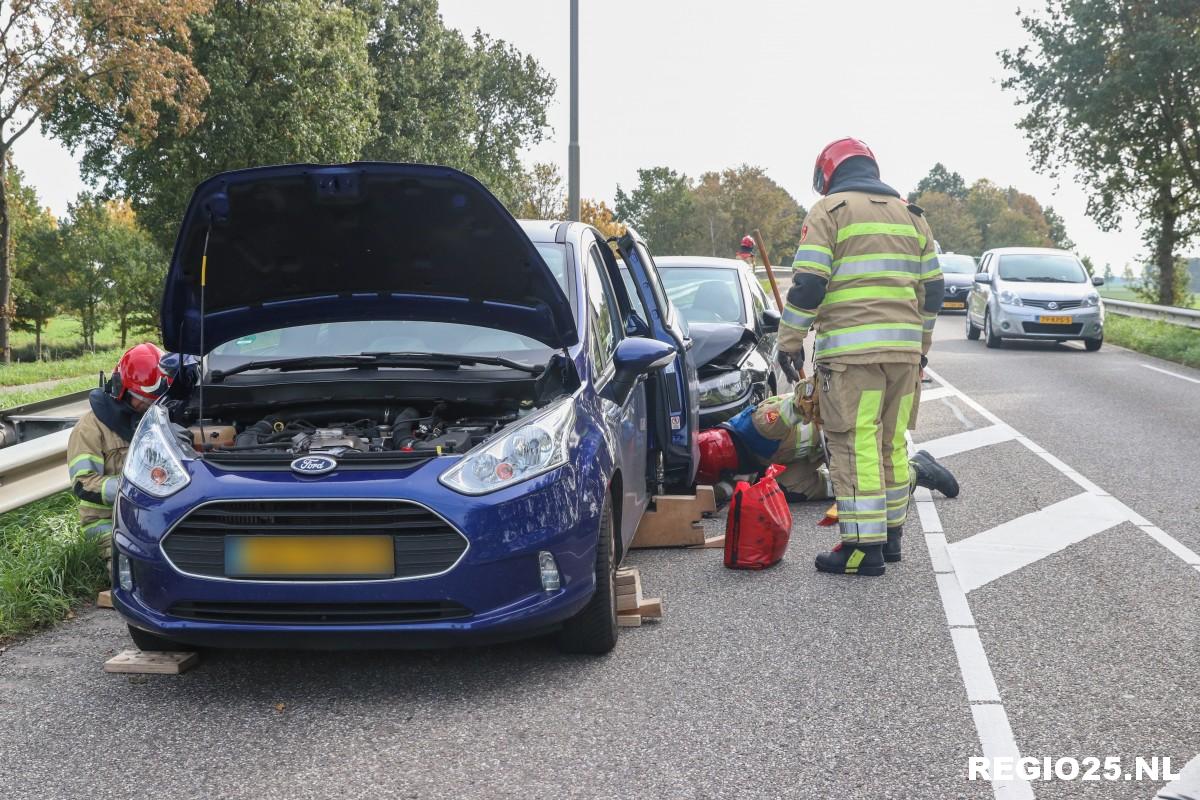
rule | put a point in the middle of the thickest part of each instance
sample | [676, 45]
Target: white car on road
[1035, 293]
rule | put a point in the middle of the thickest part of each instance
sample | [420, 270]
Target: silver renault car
[1035, 293]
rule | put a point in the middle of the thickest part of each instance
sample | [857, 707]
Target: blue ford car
[416, 421]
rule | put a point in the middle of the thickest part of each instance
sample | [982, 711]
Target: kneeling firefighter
[866, 276]
[776, 432]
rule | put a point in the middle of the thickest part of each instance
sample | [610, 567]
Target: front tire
[1093, 345]
[992, 339]
[153, 643]
[593, 631]
[972, 331]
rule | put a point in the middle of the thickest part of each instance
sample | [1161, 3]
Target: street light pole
[573, 145]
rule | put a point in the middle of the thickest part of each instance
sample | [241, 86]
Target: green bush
[90, 365]
[1161, 339]
[46, 564]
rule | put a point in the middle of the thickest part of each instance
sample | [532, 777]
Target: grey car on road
[1035, 293]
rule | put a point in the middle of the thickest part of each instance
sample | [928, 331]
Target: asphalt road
[781, 684]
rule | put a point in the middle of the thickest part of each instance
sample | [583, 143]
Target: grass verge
[20, 397]
[1160, 339]
[46, 565]
[90, 365]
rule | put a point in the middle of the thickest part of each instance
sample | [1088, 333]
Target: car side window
[602, 313]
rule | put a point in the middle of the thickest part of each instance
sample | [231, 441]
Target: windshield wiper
[299, 362]
[446, 360]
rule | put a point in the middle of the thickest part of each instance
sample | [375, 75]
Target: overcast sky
[706, 84]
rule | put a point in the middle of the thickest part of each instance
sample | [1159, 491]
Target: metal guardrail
[36, 465]
[1188, 317]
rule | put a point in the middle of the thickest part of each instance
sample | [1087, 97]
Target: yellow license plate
[310, 556]
[1054, 320]
[952, 304]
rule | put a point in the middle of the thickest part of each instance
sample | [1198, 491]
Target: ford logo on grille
[1052, 305]
[314, 465]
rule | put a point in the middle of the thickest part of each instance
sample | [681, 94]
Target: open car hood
[299, 244]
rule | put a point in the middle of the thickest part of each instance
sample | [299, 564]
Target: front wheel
[593, 631]
[972, 330]
[1093, 345]
[992, 339]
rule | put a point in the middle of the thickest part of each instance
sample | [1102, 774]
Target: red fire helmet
[139, 372]
[717, 455]
[832, 157]
[747, 242]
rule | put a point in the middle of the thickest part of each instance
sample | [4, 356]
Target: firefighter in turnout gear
[775, 432]
[866, 277]
[746, 250]
[99, 441]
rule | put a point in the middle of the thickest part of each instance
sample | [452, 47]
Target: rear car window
[957, 264]
[705, 294]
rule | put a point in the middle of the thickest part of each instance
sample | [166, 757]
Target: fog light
[124, 572]
[1004, 325]
[549, 571]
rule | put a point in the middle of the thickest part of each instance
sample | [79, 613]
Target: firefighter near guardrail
[100, 440]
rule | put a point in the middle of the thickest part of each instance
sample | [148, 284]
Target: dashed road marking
[1168, 372]
[968, 440]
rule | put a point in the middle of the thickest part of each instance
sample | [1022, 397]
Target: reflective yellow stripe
[880, 229]
[899, 454]
[96, 506]
[866, 448]
[870, 293]
[811, 265]
[855, 559]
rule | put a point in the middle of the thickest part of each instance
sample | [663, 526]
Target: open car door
[673, 394]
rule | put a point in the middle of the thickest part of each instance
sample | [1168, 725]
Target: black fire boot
[891, 550]
[933, 475]
[848, 559]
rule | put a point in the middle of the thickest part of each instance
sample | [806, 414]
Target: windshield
[956, 264]
[404, 336]
[704, 294]
[1038, 268]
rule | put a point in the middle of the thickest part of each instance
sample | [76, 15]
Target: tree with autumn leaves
[126, 60]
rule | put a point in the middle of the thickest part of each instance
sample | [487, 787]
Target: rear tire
[152, 642]
[1093, 345]
[972, 331]
[593, 631]
[992, 339]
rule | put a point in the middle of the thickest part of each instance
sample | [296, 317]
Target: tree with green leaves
[121, 59]
[541, 194]
[135, 269]
[36, 263]
[86, 255]
[663, 210]
[289, 81]
[1110, 92]
[474, 105]
[941, 179]
[738, 200]
[953, 225]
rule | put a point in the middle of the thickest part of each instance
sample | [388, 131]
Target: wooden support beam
[675, 520]
[104, 599]
[164, 663]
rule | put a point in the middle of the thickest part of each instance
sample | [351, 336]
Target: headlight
[724, 388]
[535, 445]
[1091, 301]
[154, 463]
[1010, 298]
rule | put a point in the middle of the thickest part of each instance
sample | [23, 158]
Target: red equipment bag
[759, 523]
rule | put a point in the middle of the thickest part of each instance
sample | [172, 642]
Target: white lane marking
[968, 440]
[1006, 548]
[991, 720]
[976, 672]
[1162, 537]
[996, 736]
[936, 393]
[1168, 372]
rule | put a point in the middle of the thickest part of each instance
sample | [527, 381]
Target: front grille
[1062, 304]
[1038, 327]
[319, 613]
[424, 543]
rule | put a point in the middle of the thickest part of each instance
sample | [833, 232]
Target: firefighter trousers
[866, 409]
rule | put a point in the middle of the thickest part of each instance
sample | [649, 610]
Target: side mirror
[983, 277]
[633, 360]
[770, 320]
[1097, 280]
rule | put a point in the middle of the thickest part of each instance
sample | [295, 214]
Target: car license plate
[309, 556]
[1054, 320]
[952, 304]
